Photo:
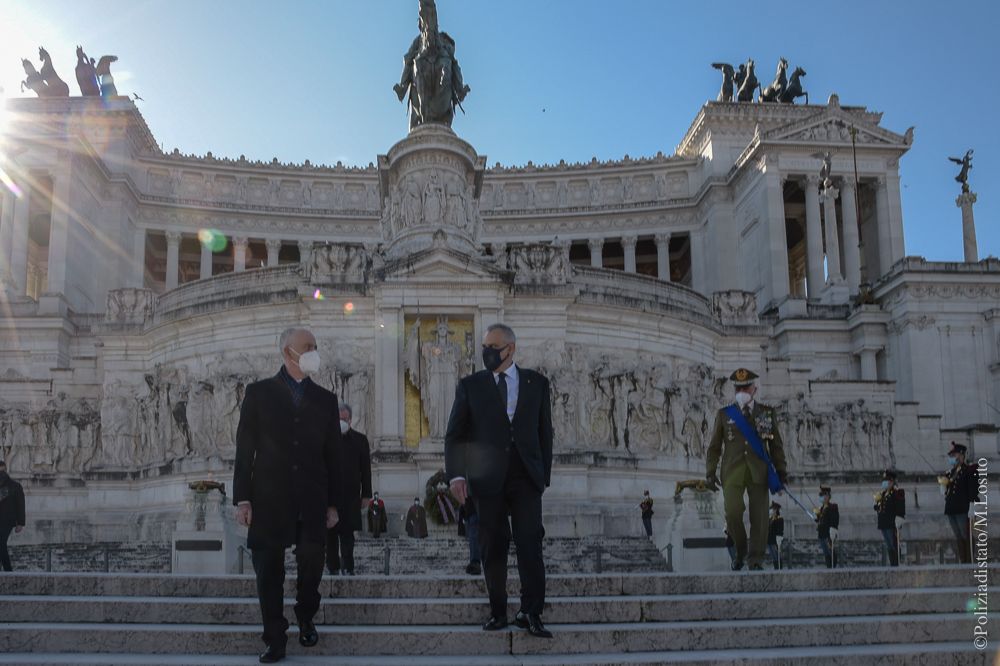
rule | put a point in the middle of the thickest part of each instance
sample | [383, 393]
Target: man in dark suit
[11, 513]
[287, 485]
[356, 462]
[498, 450]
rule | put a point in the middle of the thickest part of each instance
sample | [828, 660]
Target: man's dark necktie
[746, 414]
[502, 387]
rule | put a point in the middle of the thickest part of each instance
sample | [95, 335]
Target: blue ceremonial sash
[773, 482]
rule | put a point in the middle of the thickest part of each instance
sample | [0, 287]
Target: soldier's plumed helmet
[775, 505]
[957, 448]
[889, 475]
[825, 489]
[742, 377]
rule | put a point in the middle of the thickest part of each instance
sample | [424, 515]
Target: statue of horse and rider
[431, 75]
[783, 89]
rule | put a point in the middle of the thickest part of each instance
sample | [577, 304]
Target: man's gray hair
[507, 330]
[286, 335]
[347, 408]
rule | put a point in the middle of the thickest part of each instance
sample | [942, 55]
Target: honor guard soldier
[890, 505]
[747, 441]
[827, 522]
[775, 534]
[959, 487]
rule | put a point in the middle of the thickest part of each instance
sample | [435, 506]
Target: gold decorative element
[416, 425]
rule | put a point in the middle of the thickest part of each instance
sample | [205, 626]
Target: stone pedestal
[965, 201]
[206, 540]
[430, 184]
[695, 532]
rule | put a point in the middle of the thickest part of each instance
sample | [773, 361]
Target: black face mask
[491, 358]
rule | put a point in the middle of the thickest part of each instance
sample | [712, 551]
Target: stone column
[628, 243]
[965, 201]
[240, 253]
[852, 249]
[663, 256]
[19, 241]
[173, 258]
[205, 269]
[6, 234]
[814, 237]
[869, 367]
[389, 381]
[273, 248]
[829, 198]
[884, 229]
[776, 257]
[138, 258]
[59, 230]
[596, 246]
[305, 252]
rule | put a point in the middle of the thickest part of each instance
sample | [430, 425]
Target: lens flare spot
[348, 308]
[213, 239]
[10, 184]
[318, 295]
[971, 605]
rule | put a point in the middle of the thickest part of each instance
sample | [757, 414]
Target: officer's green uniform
[743, 472]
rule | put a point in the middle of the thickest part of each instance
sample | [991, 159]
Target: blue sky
[313, 80]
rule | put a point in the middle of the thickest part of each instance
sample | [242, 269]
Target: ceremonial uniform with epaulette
[743, 472]
[890, 505]
[960, 490]
[827, 523]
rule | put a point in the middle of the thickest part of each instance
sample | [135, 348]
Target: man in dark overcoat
[287, 485]
[356, 463]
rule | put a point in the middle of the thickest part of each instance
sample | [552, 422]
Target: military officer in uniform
[890, 505]
[743, 471]
[827, 522]
[959, 488]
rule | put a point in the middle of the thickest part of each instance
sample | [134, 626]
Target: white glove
[899, 521]
[779, 539]
[833, 533]
[942, 489]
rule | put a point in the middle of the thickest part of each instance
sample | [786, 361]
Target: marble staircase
[910, 615]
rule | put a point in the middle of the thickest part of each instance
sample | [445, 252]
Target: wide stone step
[385, 587]
[892, 654]
[464, 611]
[465, 640]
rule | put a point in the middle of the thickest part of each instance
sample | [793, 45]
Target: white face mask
[344, 426]
[743, 398]
[309, 362]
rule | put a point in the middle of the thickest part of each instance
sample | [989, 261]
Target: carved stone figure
[434, 201]
[539, 263]
[726, 93]
[774, 91]
[86, 75]
[433, 367]
[34, 82]
[735, 307]
[411, 204]
[129, 306]
[431, 74]
[826, 168]
[963, 175]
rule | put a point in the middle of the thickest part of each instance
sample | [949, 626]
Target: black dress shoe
[737, 565]
[271, 655]
[533, 623]
[756, 567]
[473, 569]
[495, 623]
[308, 637]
